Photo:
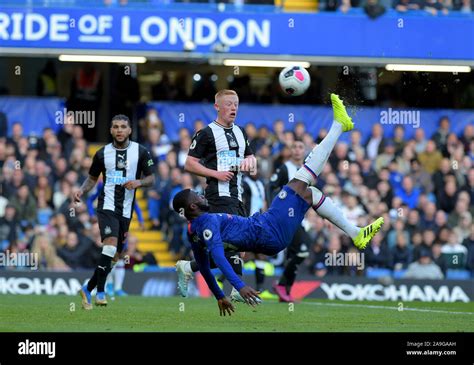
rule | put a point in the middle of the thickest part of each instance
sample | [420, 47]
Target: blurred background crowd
[423, 187]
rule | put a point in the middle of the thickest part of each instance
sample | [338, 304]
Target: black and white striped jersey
[282, 176]
[222, 149]
[118, 166]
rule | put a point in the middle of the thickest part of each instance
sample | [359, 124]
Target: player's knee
[109, 250]
[317, 197]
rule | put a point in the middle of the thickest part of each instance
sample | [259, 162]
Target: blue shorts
[281, 221]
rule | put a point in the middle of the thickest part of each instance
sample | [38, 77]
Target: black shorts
[227, 205]
[112, 224]
[299, 245]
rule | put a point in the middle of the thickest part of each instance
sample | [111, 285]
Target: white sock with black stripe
[314, 163]
[326, 208]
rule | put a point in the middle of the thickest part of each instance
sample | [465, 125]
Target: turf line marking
[384, 307]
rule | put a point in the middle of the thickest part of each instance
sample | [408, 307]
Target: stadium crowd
[423, 187]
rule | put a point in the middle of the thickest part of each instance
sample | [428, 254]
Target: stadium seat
[375, 273]
[458, 274]
[398, 274]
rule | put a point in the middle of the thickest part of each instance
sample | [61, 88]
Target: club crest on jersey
[230, 138]
[121, 164]
[207, 234]
[282, 194]
[274, 178]
[193, 145]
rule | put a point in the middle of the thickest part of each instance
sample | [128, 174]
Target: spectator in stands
[330, 257]
[447, 199]
[463, 228]
[421, 179]
[377, 255]
[370, 177]
[155, 194]
[9, 227]
[24, 204]
[74, 249]
[467, 137]
[440, 221]
[406, 5]
[134, 257]
[181, 149]
[461, 207]
[385, 158]
[454, 252]
[440, 137]
[424, 268]
[158, 144]
[469, 186]
[392, 236]
[430, 159]
[469, 244]
[420, 140]
[376, 142]
[435, 7]
[47, 257]
[408, 193]
[401, 253]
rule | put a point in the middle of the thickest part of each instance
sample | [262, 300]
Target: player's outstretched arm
[248, 293]
[202, 260]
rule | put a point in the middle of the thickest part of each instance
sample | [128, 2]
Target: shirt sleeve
[146, 162]
[199, 144]
[248, 149]
[202, 259]
[278, 180]
[97, 164]
[213, 240]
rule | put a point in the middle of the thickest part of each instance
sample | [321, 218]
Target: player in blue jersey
[272, 231]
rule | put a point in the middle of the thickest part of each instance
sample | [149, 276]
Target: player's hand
[250, 295]
[76, 197]
[224, 175]
[249, 164]
[142, 226]
[132, 184]
[225, 306]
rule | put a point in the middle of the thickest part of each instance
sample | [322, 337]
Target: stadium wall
[176, 115]
[163, 284]
[418, 36]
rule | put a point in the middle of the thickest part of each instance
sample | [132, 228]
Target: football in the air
[294, 80]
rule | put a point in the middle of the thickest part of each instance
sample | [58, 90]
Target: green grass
[139, 314]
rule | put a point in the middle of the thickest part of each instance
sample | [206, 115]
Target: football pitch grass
[142, 314]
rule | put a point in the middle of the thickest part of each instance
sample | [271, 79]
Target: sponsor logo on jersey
[207, 234]
[282, 194]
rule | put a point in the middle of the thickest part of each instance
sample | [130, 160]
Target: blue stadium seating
[458, 274]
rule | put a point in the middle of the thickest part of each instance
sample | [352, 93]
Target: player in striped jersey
[125, 166]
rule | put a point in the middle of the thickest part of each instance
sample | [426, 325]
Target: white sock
[119, 275]
[318, 157]
[187, 267]
[326, 208]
